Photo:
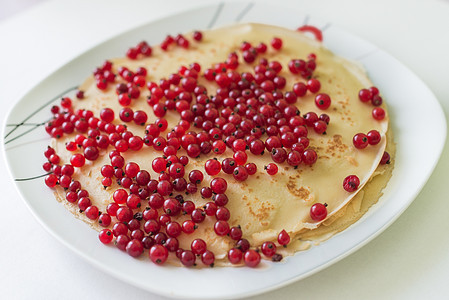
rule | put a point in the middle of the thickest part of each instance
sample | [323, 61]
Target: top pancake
[263, 205]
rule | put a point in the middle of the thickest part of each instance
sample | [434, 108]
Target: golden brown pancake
[263, 205]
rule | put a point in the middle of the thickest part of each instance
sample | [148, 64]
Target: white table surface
[410, 260]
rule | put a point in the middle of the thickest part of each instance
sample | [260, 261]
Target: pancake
[263, 205]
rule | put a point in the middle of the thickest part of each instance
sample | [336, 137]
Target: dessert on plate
[222, 147]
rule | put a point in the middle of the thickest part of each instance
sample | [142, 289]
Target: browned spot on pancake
[335, 145]
[300, 192]
[250, 190]
[352, 160]
[261, 213]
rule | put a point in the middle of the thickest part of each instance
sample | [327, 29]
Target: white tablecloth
[410, 260]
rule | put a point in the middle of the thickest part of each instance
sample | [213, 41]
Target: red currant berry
[385, 158]
[365, 95]
[198, 246]
[105, 236]
[51, 180]
[235, 256]
[158, 254]
[218, 185]
[378, 113]
[251, 258]
[373, 137]
[212, 167]
[134, 248]
[208, 258]
[351, 183]
[268, 249]
[276, 43]
[318, 212]
[271, 169]
[188, 258]
[221, 228]
[313, 85]
[283, 238]
[360, 140]
[322, 101]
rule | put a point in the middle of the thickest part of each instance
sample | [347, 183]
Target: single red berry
[91, 153]
[268, 249]
[172, 206]
[197, 36]
[322, 101]
[283, 238]
[221, 228]
[240, 157]
[77, 160]
[218, 185]
[188, 258]
[251, 258]
[159, 164]
[374, 90]
[198, 215]
[294, 158]
[351, 183]
[124, 214]
[134, 248]
[276, 43]
[235, 256]
[208, 258]
[385, 158]
[318, 212]
[158, 254]
[176, 170]
[51, 180]
[228, 165]
[152, 226]
[278, 155]
[242, 244]
[271, 169]
[235, 233]
[309, 157]
[196, 176]
[300, 89]
[378, 113]
[104, 220]
[92, 212]
[188, 226]
[377, 100]
[360, 140]
[223, 214]
[107, 115]
[373, 137]
[210, 208]
[119, 229]
[173, 229]
[131, 169]
[365, 95]
[105, 236]
[206, 192]
[198, 246]
[212, 167]
[251, 168]
[122, 241]
[313, 85]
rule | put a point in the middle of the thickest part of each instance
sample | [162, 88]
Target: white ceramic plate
[25, 141]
